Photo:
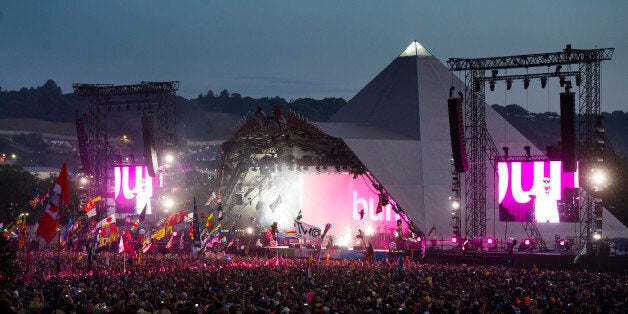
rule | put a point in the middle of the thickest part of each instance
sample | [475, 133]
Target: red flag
[379, 206]
[61, 196]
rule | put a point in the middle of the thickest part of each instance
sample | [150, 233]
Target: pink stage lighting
[537, 191]
[454, 239]
[133, 189]
[490, 241]
[527, 242]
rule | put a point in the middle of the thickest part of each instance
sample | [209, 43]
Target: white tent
[398, 126]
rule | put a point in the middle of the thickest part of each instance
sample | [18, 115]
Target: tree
[16, 190]
[9, 269]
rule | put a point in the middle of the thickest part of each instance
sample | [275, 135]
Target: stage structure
[155, 100]
[480, 146]
[268, 151]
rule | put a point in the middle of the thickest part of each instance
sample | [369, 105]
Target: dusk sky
[296, 49]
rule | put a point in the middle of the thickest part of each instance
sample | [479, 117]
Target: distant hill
[210, 116]
[543, 129]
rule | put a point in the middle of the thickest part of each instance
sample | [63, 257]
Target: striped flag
[274, 204]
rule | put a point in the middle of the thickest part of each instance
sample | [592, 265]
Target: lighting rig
[480, 146]
[151, 99]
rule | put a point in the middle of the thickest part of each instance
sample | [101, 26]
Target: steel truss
[148, 96]
[480, 146]
[255, 155]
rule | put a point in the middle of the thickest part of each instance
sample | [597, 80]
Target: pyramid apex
[415, 49]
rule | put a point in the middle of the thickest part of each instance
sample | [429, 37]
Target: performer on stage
[545, 204]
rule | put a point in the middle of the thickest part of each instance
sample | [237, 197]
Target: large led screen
[537, 191]
[348, 204]
[133, 189]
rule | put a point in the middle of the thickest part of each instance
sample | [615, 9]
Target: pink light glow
[133, 188]
[535, 191]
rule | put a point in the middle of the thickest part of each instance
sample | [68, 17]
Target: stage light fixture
[169, 157]
[558, 68]
[562, 81]
[597, 236]
[491, 85]
[598, 179]
[527, 149]
[455, 204]
[508, 84]
[491, 242]
[494, 73]
[543, 82]
[527, 242]
[249, 230]
[455, 239]
[506, 149]
[526, 83]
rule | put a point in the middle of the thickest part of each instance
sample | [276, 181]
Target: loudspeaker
[567, 131]
[456, 130]
[81, 134]
[150, 153]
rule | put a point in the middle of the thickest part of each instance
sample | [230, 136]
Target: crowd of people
[113, 283]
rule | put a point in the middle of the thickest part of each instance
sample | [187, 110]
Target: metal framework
[148, 96]
[481, 148]
[256, 154]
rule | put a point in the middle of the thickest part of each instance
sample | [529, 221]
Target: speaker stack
[567, 131]
[150, 153]
[456, 130]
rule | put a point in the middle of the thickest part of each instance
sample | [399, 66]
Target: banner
[307, 231]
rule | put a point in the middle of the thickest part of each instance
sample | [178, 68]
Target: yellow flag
[159, 234]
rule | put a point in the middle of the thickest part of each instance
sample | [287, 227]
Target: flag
[204, 237]
[21, 227]
[219, 211]
[61, 196]
[216, 229]
[330, 244]
[146, 246]
[44, 198]
[307, 231]
[175, 218]
[210, 199]
[327, 227]
[379, 206]
[111, 219]
[181, 242]
[121, 245]
[195, 230]
[369, 252]
[208, 221]
[308, 269]
[91, 204]
[160, 234]
[139, 220]
[169, 244]
[582, 251]
[68, 230]
[274, 204]
[35, 200]
[292, 235]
